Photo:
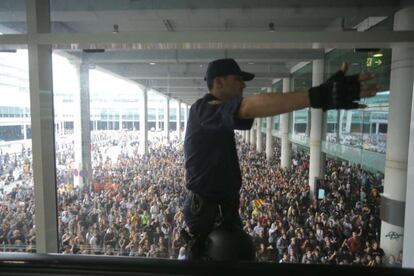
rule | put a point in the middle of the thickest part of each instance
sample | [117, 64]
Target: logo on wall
[392, 235]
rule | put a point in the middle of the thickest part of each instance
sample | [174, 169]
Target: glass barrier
[114, 206]
[17, 232]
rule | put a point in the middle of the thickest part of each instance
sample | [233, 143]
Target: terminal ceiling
[166, 45]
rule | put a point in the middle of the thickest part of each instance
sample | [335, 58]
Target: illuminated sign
[374, 62]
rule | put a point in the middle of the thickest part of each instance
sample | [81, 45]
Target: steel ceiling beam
[203, 56]
[218, 40]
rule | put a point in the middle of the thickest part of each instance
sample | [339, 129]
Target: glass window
[13, 19]
[277, 87]
[173, 113]
[301, 79]
[87, 157]
[151, 114]
[366, 128]
[276, 122]
[16, 175]
[113, 199]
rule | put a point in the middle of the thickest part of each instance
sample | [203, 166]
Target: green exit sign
[374, 62]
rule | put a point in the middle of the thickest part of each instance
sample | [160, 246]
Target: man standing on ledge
[212, 168]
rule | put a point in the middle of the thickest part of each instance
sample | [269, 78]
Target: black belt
[224, 209]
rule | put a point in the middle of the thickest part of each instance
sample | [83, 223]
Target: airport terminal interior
[95, 99]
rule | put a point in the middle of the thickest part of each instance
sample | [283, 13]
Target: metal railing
[56, 264]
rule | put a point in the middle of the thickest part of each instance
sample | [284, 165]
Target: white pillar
[395, 184]
[348, 121]
[81, 127]
[143, 124]
[316, 129]
[167, 118]
[269, 135]
[259, 140]
[252, 139]
[247, 137]
[42, 125]
[120, 119]
[25, 131]
[157, 119]
[286, 150]
[178, 125]
[408, 248]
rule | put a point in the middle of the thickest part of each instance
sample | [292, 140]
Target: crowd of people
[133, 206]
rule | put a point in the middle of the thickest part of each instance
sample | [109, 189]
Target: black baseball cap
[224, 67]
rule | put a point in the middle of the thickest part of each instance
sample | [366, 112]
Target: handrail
[58, 264]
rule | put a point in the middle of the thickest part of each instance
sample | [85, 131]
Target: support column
[286, 150]
[143, 124]
[252, 140]
[167, 118]
[120, 122]
[315, 130]
[157, 119]
[25, 131]
[247, 138]
[42, 125]
[81, 126]
[269, 135]
[178, 124]
[348, 121]
[395, 184]
[259, 140]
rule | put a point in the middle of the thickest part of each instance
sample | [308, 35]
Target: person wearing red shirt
[354, 243]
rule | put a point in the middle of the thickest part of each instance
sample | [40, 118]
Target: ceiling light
[271, 27]
[168, 25]
[365, 50]
[93, 50]
[115, 29]
[251, 63]
[152, 63]
[377, 55]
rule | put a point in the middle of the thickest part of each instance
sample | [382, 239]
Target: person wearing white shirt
[182, 254]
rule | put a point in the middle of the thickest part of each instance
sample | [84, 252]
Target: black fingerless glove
[338, 92]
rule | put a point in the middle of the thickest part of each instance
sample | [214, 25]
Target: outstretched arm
[339, 92]
[271, 104]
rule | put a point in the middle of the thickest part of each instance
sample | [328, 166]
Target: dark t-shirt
[211, 161]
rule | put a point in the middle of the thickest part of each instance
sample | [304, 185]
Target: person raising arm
[213, 175]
